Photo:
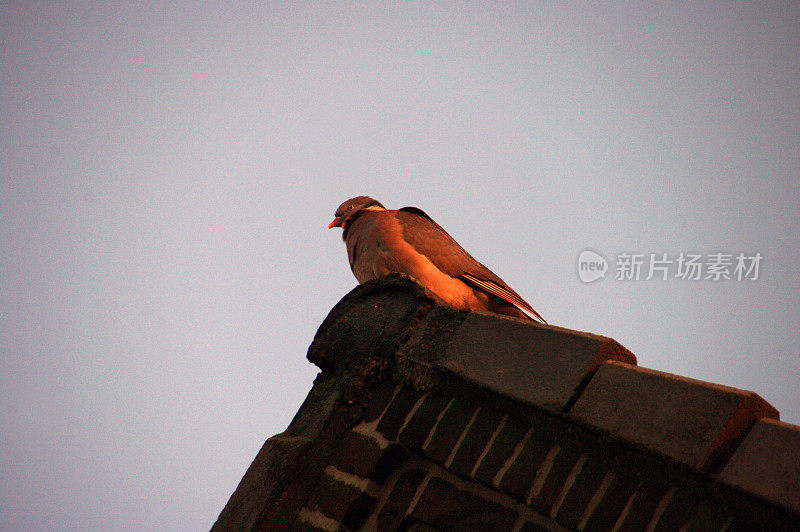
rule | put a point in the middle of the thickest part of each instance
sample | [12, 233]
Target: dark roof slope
[428, 418]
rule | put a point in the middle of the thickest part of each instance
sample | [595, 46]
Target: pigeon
[382, 241]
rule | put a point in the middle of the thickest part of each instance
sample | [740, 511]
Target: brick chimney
[428, 418]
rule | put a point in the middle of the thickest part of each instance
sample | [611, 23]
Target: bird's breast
[368, 247]
[376, 247]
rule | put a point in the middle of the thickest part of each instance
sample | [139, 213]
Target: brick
[767, 463]
[396, 506]
[448, 430]
[392, 457]
[306, 527]
[429, 339]
[581, 492]
[263, 482]
[563, 463]
[681, 510]
[612, 504]
[419, 426]
[444, 506]
[313, 415]
[418, 526]
[379, 401]
[475, 440]
[357, 454]
[750, 513]
[520, 474]
[534, 527]
[361, 455]
[333, 498]
[396, 413]
[358, 512]
[707, 516]
[689, 420]
[539, 365]
[501, 449]
[644, 506]
[367, 327]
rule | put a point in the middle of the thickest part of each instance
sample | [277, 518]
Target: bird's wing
[431, 240]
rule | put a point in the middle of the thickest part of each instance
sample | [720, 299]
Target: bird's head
[353, 206]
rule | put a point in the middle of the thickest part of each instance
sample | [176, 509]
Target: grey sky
[168, 173]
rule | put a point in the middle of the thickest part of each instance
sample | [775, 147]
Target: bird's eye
[349, 207]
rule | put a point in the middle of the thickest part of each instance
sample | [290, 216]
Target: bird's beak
[337, 222]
